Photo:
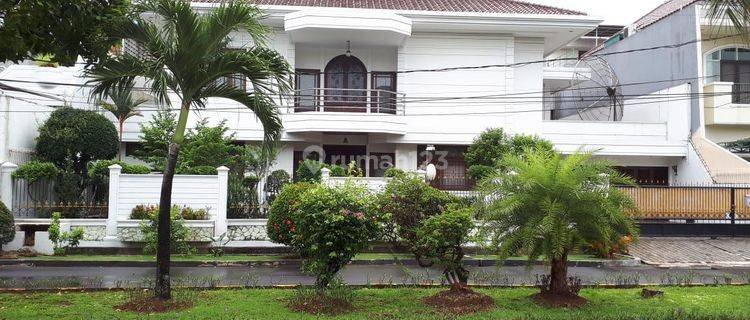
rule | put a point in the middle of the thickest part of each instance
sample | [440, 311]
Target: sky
[613, 12]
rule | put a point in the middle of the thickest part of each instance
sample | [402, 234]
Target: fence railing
[694, 203]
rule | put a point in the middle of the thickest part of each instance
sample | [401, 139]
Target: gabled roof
[483, 6]
[661, 12]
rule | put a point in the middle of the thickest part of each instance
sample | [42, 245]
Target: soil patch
[320, 304]
[459, 300]
[551, 300]
[152, 304]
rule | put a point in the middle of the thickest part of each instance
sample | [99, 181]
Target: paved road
[694, 252]
[15, 276]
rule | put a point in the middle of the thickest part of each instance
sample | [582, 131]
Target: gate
[692, 210]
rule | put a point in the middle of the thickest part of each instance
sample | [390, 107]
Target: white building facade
[373, 84]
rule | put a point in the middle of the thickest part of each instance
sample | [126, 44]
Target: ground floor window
[647, 176]
[452, 172]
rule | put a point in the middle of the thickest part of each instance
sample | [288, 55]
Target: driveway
[693, 252]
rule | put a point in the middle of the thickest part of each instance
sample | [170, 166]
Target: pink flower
[359, 215]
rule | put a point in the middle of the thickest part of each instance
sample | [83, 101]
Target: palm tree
[547, 204]
[123, 107]
[737, 11]
[186, 55]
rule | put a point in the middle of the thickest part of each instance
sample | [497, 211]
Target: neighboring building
[356, 100]
[713, 62]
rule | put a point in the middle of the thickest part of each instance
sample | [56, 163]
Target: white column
[220, 222]
[6, 184]
[325, 175]
[114, 197]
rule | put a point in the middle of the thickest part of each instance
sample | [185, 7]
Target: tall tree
[123, 107]
[62, 29]
[547, 204]
[737, 11]
[188, 54]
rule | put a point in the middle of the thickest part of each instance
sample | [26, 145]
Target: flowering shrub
[145, 212]
[281, 225]
[334, 224]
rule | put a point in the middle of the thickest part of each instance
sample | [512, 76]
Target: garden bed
[678, 303]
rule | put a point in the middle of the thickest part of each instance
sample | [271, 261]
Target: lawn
[263, 257]
[724, 302]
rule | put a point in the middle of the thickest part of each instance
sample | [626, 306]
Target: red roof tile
[485, 6]
[661, 12]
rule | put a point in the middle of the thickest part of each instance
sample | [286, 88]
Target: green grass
[697, 302]
[261, 257]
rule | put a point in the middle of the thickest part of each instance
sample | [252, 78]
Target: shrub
[335, 223]
[394, 172]
[408, 200]
[352, 170]
[337, 170]
[282, 222]
[61, 241]
[179, 233]
[200, 170]
[309, 171]
[7, 225]
[274, 183]
[440, 238]
[76, 136]
[146, 212]
[34, 171]
[486, 151]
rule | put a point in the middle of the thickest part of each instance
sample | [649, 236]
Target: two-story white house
[383, 82]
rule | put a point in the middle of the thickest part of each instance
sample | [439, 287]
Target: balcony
[346, 110]
[727, 103]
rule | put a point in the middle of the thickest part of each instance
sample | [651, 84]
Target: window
[234, 81]
[306, 82]
[384, 101]
[721, 65]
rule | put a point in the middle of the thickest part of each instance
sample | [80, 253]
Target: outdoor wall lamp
[430, 172]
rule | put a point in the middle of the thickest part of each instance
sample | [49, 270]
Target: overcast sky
[613, 12]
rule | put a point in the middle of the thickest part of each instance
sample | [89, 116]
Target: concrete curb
[297, 262]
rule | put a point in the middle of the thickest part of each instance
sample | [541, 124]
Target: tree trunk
[163, 287]
[558, 283]
[119, 146]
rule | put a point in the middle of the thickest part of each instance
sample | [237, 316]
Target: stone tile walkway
[693, 252]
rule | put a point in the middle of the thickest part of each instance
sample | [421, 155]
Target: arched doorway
[346, 85]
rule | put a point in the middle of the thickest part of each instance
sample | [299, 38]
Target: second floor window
[234, 81]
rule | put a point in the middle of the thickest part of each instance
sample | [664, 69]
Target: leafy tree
[441, 237]
[188, 54]
[74, 137]
[123, 107]
[550, 204]
[61, 30]
[7, 225]
[155, 137]
[490, 146]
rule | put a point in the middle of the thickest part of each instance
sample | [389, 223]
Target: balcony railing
[741, 93]
[348, 100]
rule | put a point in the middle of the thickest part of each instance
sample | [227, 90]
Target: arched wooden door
[346, 85]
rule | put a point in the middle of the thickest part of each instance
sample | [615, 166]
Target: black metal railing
[741, 93]
[349, 100]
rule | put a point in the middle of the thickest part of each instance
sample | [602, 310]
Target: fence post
[733, 209]
[114, 195]
[6, 184]
[220, 223]
[325, 175]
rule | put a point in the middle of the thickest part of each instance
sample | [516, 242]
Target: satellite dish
[596, 93]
